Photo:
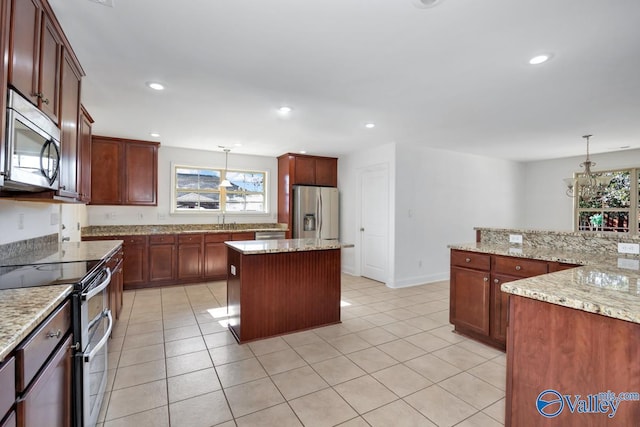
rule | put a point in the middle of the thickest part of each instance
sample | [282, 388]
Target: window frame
[634, 205]
[222, 191]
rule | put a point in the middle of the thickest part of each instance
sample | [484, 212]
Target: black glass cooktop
[46, 274]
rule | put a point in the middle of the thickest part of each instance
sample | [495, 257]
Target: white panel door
[375, 223]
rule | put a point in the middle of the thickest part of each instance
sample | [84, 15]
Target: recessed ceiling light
[425, 4]
[285, 109]
[370, 125]
[155, 85]
[539, 59]
[155, 134]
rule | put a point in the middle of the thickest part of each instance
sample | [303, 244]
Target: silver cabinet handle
[467, 260]
[486, 279]
[518, 268]
[54, 334]
[496, 281]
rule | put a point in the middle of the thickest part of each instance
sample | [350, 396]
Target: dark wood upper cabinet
[36, 49]
[301, 169]
[124, 172]
[4, 72]
[70, 177]
[84, 154]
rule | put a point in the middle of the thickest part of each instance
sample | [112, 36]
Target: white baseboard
[419, 280]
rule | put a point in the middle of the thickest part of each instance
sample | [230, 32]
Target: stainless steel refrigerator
[315, 212]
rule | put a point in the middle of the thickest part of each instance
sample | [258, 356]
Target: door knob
[361, 228]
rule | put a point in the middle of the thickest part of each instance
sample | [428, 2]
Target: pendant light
[226, 183]
[588, 184]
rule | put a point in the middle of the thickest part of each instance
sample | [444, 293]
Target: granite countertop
[24, 309]
[133, 230]
[66, 252]
[251, 247]
[605, 284]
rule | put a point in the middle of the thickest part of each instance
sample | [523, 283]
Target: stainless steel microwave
[32, 155]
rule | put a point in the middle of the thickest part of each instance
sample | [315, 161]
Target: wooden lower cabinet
[470, 299]
[190, 256]
[47, 401]
[478, 308]
[573, 352]
[162, 258]
[215, 255]
[136, 261]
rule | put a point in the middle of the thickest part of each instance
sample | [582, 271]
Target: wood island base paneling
[271, 294]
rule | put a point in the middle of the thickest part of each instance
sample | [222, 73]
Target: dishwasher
[270, 235]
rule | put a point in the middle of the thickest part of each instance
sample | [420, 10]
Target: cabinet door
[84, 155]
[106, 167]
[189, 255]
[470, 299]
[327, 172]
[162, 260]
[499, 307]
[141, 187]
[304, 171]
[135, 263]
[70, 114]
[25, 25]
[47, 402]
[49, 70]
[215, 260]
[5, 24]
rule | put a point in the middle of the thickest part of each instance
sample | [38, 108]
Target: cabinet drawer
[35, 350]
[190, 238]
[217, 237]
[471, 260]
[519, 267]
[7, 386]
[162, 238]
[247, 235]
[134, 240]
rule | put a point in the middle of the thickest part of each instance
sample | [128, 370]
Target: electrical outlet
[515, 238]
[420, 263]
[629, 248]
[629, 264]
[21, 221]
[140, 215]
[55, 218]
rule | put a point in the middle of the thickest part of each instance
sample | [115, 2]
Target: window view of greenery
[199, 190]
[617, 207]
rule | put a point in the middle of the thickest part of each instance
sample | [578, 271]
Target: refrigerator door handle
[319, 211]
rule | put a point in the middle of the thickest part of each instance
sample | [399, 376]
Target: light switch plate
[630, 264]
[233, 270]
[515, 238]
[629, 248]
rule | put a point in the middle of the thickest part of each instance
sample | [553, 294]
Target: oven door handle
[103, 340]
[93, 292]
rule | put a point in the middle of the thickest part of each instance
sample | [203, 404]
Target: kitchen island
[572, 336]
[276, 287]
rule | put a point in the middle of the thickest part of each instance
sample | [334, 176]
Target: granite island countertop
[24, 309]
[606, 284]
[251, 247]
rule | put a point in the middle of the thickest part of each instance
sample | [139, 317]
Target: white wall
[545, 202]
[440, 197]
[26, 220]
[134, 215]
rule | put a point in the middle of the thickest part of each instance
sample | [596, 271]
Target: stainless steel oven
[92, 328]
[31, 161]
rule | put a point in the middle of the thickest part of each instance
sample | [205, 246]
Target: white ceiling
[455, 76]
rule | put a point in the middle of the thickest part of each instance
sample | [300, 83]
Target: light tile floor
[393, 361]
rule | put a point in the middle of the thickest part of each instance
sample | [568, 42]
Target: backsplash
[597, 243]
[37, 244]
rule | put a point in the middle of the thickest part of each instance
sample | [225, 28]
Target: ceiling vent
[425, 4]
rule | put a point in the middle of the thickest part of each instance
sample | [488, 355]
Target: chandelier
[587, 185]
